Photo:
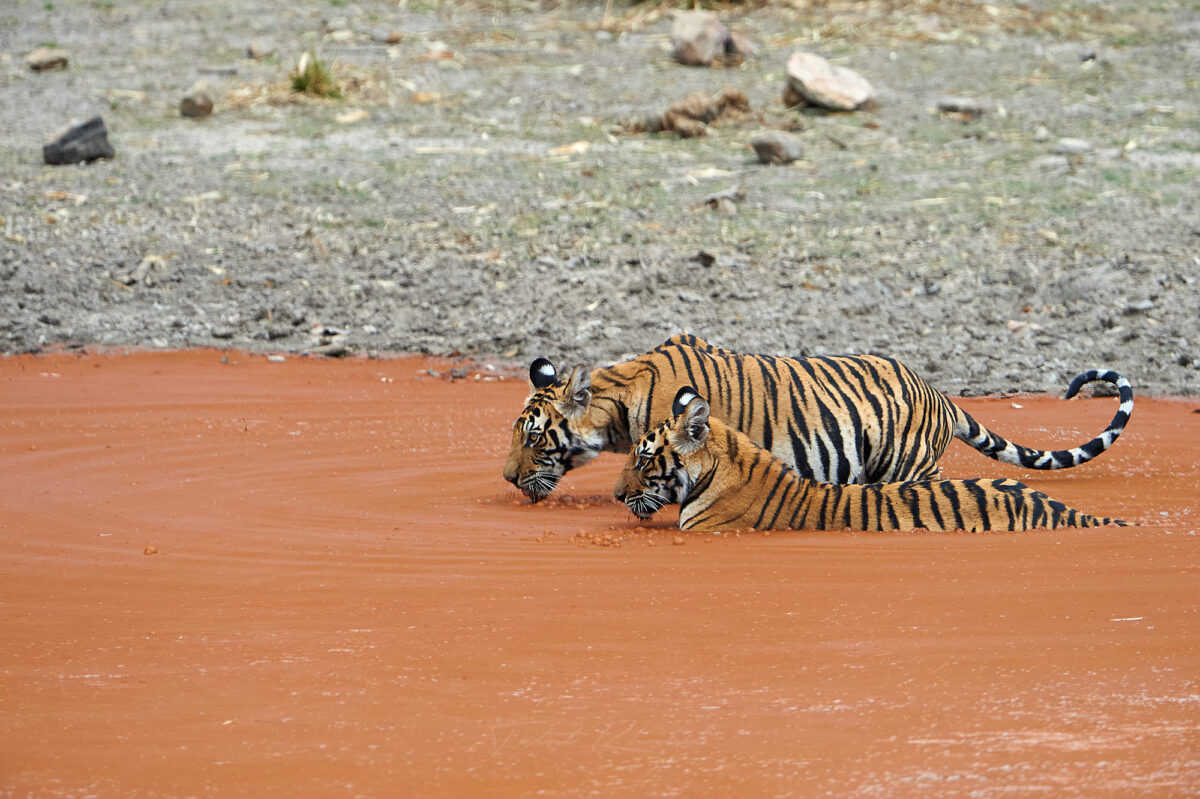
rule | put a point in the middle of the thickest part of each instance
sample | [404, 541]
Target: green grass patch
[313, 76]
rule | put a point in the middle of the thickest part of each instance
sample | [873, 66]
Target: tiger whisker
[645, 504]
[538, 485]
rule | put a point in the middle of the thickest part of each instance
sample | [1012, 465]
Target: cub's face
[662, 465]
[653, 475]
[550, 437]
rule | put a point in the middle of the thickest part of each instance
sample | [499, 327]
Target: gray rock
[776, 147]
[45, 59]
[86, 141]
[698, 38]
[198, 102]
[825, 85]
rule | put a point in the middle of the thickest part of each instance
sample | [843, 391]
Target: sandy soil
[226, 576]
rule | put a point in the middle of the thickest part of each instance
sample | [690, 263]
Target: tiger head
[662, 467]
[550, 437]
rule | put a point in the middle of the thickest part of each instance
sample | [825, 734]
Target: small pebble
[260, 48]
[677, 540]
[150, 550]
[46, 59]
[776, 147]
[198, 102]
[961, 105]
[1071, 147]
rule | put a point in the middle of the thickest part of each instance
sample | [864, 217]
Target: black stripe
[686, 357]
[797, 425]
[823, 458]
[910, 495]
[648, 401]
[804, 489]
[767, 501]
[721, 364]
[863, 368]
[864, 500]
[979, 495]
[832, 432]
[770, 390]
[906, 459]
[933, 505]
[741, 384]
[950, 492]
[889, 504]
[828, 492]
[769, 399]
[847, 369]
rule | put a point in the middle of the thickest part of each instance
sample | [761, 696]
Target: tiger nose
[510, 474]
[620, 491]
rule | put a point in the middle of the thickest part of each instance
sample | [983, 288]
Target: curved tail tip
[1093, 375]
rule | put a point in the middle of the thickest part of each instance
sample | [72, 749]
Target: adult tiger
[836, 419]
[723, 481]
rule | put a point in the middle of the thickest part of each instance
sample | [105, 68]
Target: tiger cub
[836, 419]
[723, 481]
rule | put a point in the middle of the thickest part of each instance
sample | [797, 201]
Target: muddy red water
[308, 579]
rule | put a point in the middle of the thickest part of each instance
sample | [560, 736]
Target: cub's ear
[682, 398]
[690, 428]
[542, 373]
[577, 394]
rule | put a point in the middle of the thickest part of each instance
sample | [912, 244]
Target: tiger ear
[691, 424]
[682, 397]
[542, 374]
[577, 394]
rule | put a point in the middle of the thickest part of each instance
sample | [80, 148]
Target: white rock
[1071, 147]
[823, 84]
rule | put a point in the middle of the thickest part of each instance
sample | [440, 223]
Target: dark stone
[777, 147]
[86, 141]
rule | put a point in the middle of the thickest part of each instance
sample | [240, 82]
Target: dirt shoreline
[489, 203]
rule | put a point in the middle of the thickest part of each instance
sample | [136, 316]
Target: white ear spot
[684, 399]
[547, 370]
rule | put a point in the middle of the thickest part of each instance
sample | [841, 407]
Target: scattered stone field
[1018, 205]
